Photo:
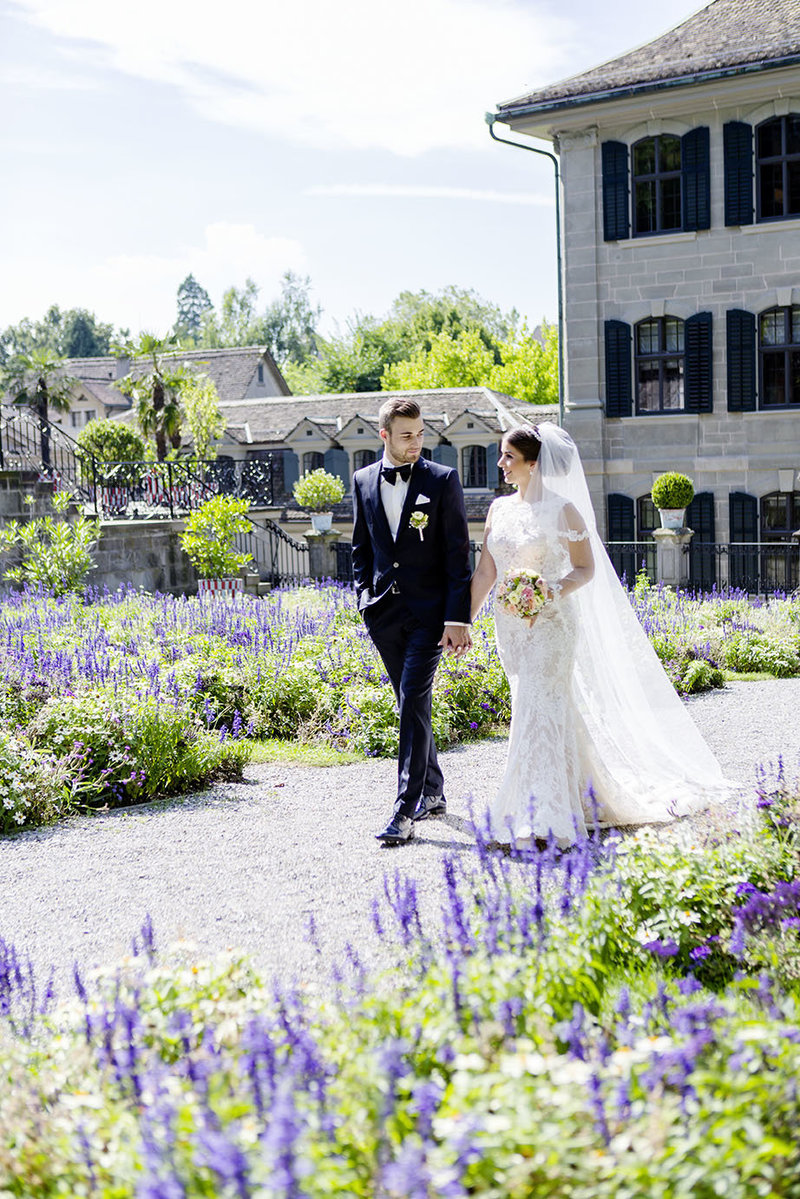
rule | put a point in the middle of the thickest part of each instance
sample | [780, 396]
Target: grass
[297, 753]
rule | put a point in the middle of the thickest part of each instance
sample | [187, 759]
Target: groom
[412, 576]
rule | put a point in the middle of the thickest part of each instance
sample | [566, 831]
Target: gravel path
[245, 865]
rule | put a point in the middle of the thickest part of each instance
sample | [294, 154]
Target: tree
[238, 323]
[155, 394]
[452, 361]
[194, 303]
[199, 402]
[111, 441]
[75, 333]
[529, 367]
[290, 322]
[39, 380]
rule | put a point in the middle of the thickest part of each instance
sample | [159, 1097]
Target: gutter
[637, 89]
[491, 119]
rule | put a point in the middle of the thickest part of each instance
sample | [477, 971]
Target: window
[261, 372]
[780, 516]
[312, 461]
[657, 184]
[473, 466]
[778, 168]
[364, 458]
[659, 365]
[79, 419]
[647, 517]
[779, 357]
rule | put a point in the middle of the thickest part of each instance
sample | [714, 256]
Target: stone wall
[143, 553]
[754, 267]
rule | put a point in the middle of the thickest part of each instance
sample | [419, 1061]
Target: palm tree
[38, 380]
[156, 394]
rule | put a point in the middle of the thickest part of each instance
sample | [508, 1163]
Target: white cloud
[412, 191]
[402, 75]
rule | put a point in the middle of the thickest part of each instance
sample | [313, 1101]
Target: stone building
[680, 168]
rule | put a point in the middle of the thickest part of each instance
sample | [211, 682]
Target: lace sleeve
[574, 534]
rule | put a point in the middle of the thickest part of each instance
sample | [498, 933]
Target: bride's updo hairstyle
[525, 439]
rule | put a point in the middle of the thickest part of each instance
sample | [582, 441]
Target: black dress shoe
[399, 830]
[430, 805]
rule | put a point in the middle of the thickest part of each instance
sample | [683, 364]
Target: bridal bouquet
[520, 593]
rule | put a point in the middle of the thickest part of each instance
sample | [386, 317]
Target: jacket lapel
[380, 525]
[416, 486]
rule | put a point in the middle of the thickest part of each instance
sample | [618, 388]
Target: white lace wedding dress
[575, 723]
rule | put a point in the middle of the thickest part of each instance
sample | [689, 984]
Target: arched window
[659, 365]
[778, 168]
[779, 357]
[473, 466]
[312, 460]
[657, 184]
[364, 458]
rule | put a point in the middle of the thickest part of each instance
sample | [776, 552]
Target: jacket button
[395, 565]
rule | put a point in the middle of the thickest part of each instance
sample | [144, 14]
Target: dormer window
[261, 372]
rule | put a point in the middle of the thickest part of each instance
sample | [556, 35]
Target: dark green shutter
[337, 462]
[743, 561]
[619, 395]
[616, 223]
[622, 528]
[492, 471]
[702, 550]
[447, 455]
[696, 179]
[737, 140]
[291, 471]
[697, 331]
[741, 351]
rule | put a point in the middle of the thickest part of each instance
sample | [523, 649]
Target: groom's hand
[456, 639]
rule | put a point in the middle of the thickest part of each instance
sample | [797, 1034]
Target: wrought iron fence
[629, 557]
[758, 567]
[32, 445]
[277, 557]
[134, 490]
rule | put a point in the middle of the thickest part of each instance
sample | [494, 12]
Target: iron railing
[630, 557]
[757, 567]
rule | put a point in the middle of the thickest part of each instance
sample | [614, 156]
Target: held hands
[456, 639]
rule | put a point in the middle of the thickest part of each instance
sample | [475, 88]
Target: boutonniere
[419, 521]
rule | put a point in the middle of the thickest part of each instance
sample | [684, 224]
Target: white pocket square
[422, 499]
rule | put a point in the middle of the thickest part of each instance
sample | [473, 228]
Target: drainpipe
[491, 118]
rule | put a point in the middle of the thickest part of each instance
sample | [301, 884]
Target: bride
[598, 733]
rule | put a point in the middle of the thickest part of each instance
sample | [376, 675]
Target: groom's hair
[397, 406]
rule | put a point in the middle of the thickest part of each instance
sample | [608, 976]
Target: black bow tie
[390, 473]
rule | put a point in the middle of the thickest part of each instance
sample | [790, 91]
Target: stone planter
[321, 521]
[220, 586]
[672, 518]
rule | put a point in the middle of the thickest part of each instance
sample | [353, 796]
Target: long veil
[643, 749]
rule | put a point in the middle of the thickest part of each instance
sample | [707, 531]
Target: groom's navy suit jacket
[432, 572]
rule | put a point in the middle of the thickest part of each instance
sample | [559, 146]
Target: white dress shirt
[393, 496]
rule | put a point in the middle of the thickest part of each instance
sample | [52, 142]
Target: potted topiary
[672, 493]
[209, 542]
[317, 491]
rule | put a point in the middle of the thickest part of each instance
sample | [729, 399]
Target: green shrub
[55, 552]
[32, 785]
[210, 537]
[317, 490]
[672, 490]
[700, 675]
[128, 754]
[753, 652]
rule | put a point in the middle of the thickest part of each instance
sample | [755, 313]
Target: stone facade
[752, 267]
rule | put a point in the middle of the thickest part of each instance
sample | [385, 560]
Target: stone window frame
[787, 349]
[784, 161]
[661, 357]
[657, 179]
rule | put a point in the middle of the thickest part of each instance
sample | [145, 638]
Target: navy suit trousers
[410, 653]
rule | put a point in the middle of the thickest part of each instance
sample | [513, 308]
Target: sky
[345, 142]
